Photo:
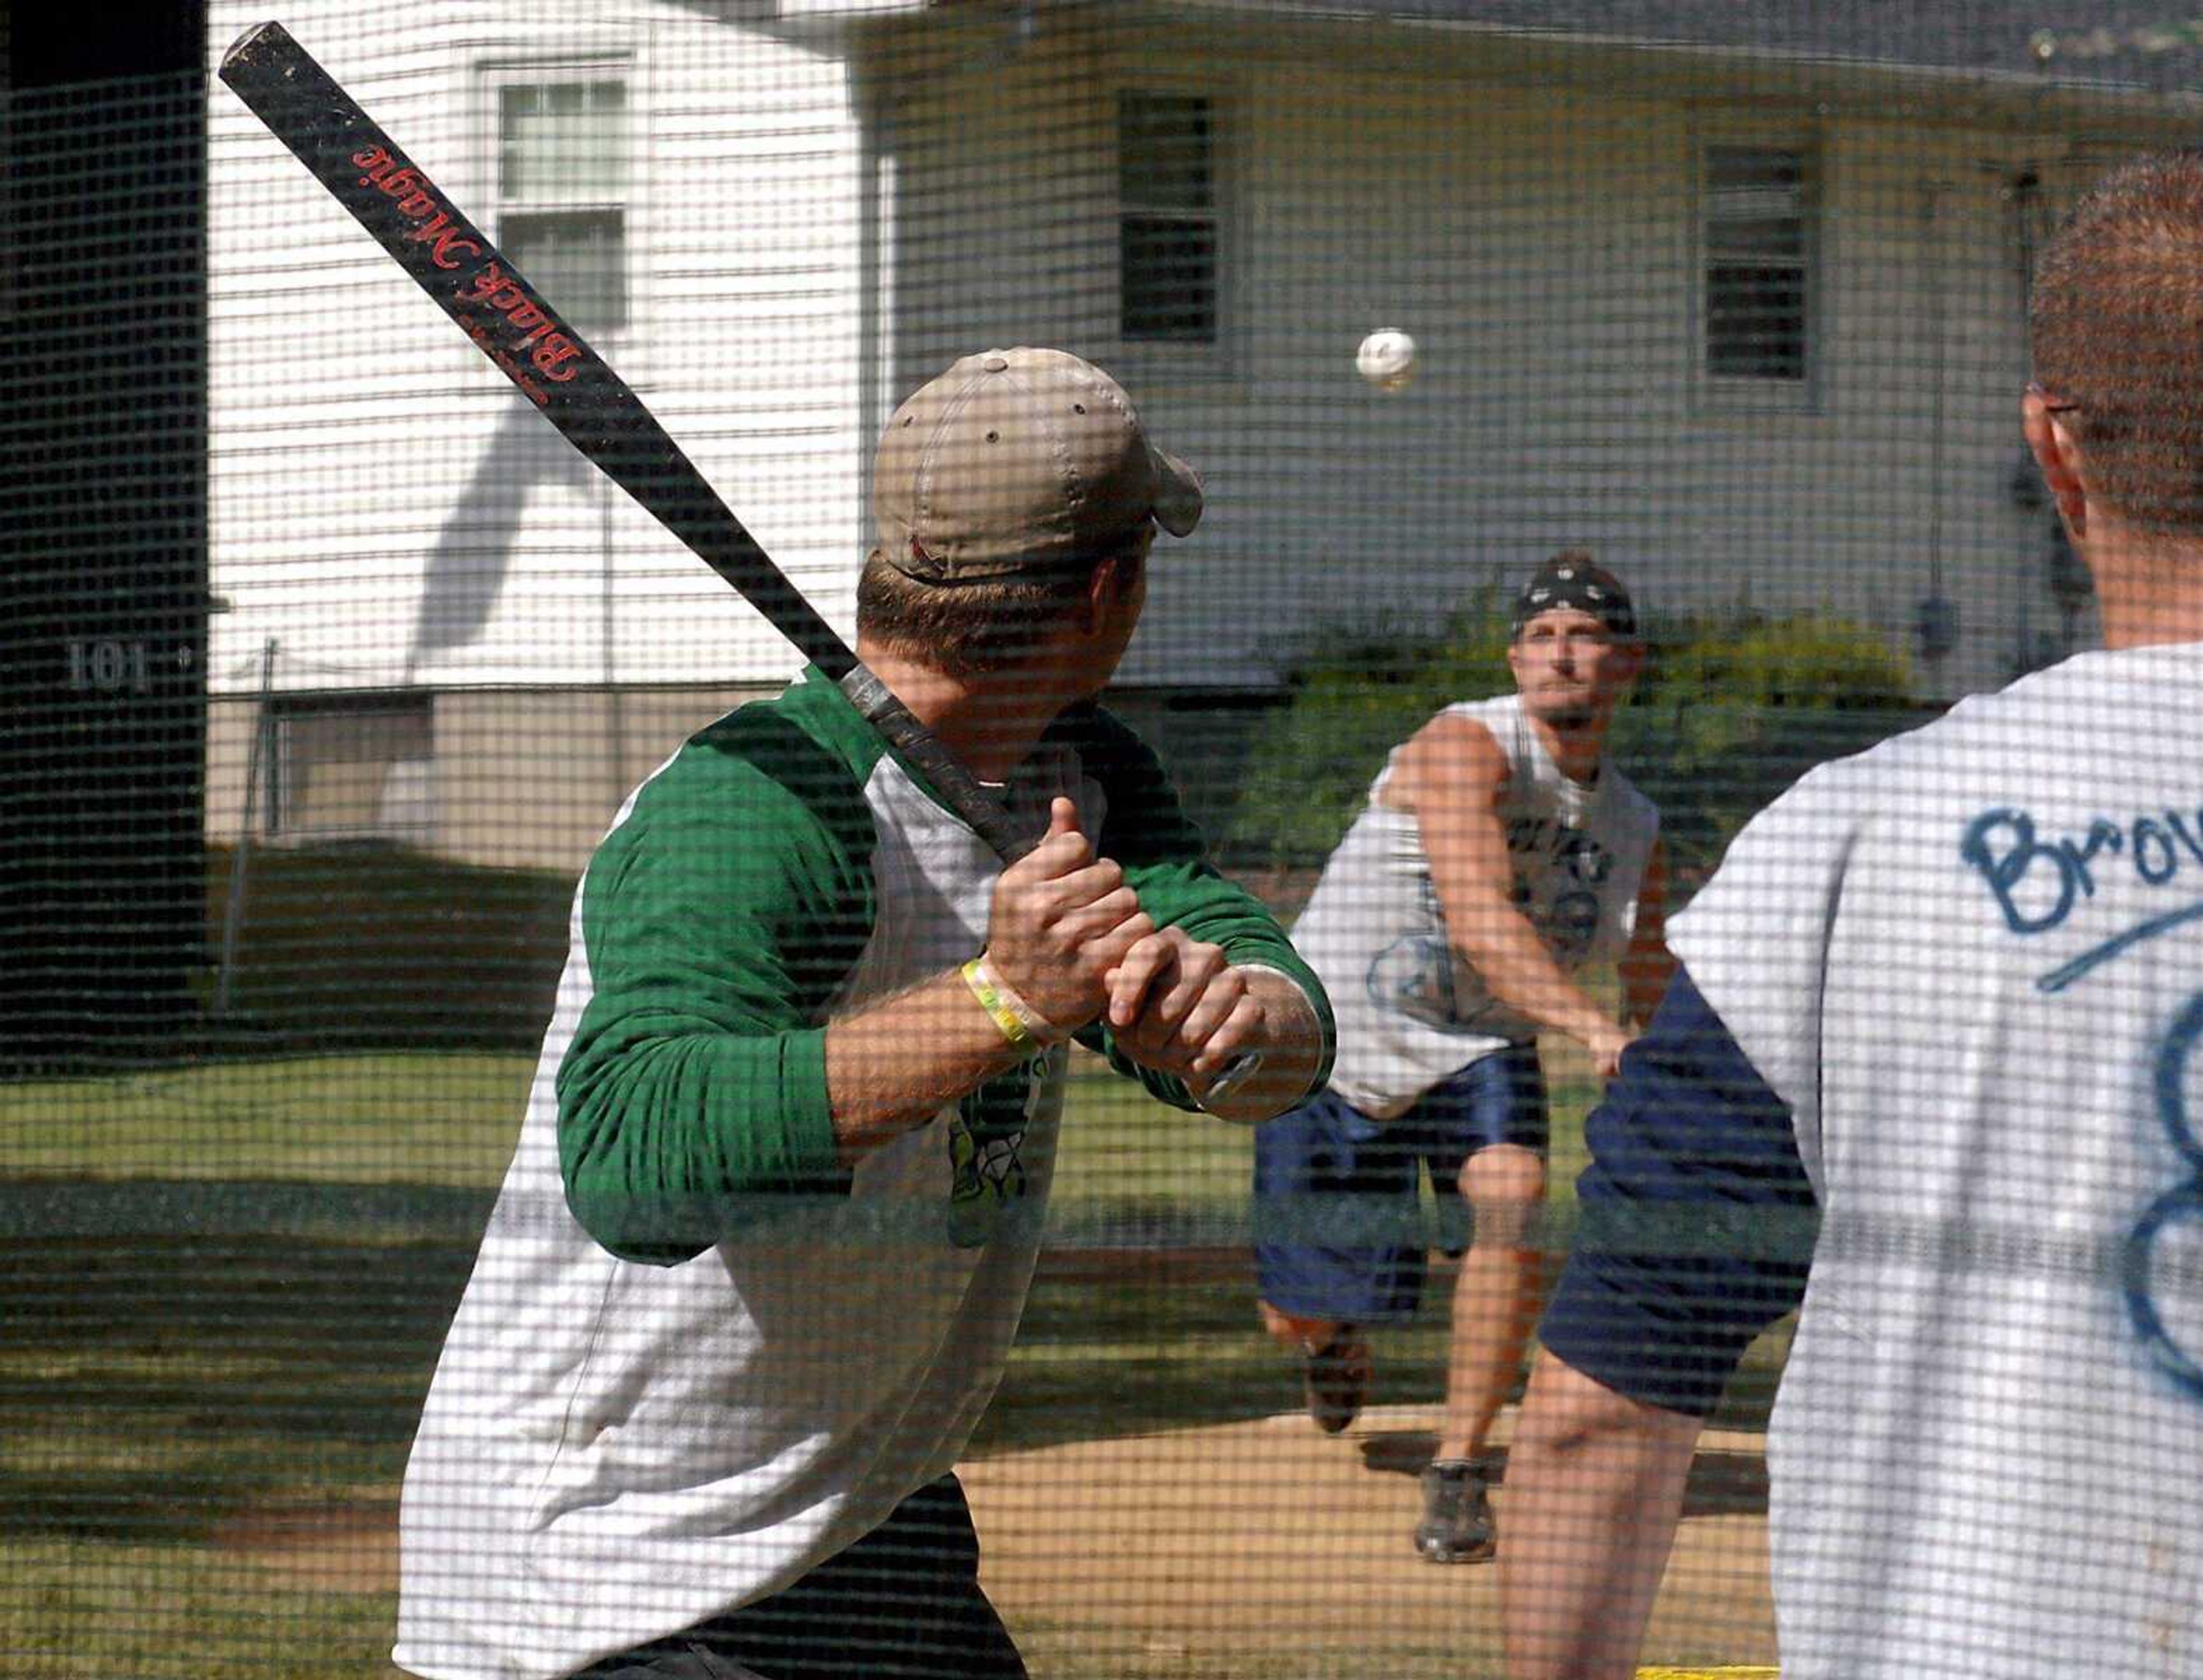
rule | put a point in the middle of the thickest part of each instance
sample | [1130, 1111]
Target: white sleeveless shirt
[1411, 1011]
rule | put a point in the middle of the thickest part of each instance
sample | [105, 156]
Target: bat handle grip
[960, 790]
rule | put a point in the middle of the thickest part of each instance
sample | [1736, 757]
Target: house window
[354, 766]
[562, 189]
[1757, 238]
[1166, 218]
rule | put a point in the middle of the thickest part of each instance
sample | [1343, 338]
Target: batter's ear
[1101, 595]
[1111, 579]
[2058, 455]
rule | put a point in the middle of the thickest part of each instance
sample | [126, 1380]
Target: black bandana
[1573, 580]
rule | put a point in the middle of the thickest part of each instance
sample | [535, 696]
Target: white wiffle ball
[1386, 358]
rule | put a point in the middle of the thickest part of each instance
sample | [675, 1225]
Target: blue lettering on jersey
[2037, 883]
[2183, 1203]
[1567, 918]
[1582, 857]
[1414, 977]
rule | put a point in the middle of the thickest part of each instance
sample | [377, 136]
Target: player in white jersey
[1947, 996]
[1500, 853]
[757, 1263]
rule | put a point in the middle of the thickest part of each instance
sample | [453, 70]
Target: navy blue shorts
[1697, 1215]
[1338, 1231]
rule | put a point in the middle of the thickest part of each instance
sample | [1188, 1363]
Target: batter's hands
[1062, 921]
[1178, 1006]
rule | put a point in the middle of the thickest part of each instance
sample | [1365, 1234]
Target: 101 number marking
[109, 668]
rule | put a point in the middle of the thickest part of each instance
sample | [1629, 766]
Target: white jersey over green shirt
[696, 1359]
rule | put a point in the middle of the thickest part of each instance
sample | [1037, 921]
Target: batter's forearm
[1292, 1042]
[893, 1066]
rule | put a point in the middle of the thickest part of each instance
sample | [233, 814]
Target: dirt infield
[1261, 1549]
[1266, 1549]
[329, 1548]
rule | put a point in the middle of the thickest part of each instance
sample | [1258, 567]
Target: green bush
[1351, 702]
[1801, 661]
[1732, 707]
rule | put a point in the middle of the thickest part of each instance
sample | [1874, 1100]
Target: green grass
[165, 1395]
[374, 947]
[165, 1389]
[451, 1121]
[78, 1610]
[369, 1119]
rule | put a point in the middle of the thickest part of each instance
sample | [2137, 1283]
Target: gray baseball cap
[1018, 460]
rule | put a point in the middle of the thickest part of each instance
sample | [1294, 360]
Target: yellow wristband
[996, 1000]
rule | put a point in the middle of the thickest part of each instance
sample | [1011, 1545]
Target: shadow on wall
[473, 556]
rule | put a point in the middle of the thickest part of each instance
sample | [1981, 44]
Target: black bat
[470, 279]
[509, 322]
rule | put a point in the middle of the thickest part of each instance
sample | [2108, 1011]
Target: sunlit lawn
[367, 1119]
[165, 1385]
[450, 1121]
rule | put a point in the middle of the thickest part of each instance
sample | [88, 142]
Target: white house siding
[1540, 241]
[385, 507]
[823, 216]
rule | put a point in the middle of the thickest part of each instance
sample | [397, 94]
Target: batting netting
[328, 664]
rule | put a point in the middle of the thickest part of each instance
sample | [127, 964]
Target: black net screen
[532, 1144]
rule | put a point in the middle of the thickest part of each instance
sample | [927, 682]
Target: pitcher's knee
[1504, 1186]
[1506, 1174]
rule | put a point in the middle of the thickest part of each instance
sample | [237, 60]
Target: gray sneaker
[1457, 1525]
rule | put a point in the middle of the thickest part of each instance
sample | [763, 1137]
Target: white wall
[1540, 242]
[383, 503]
